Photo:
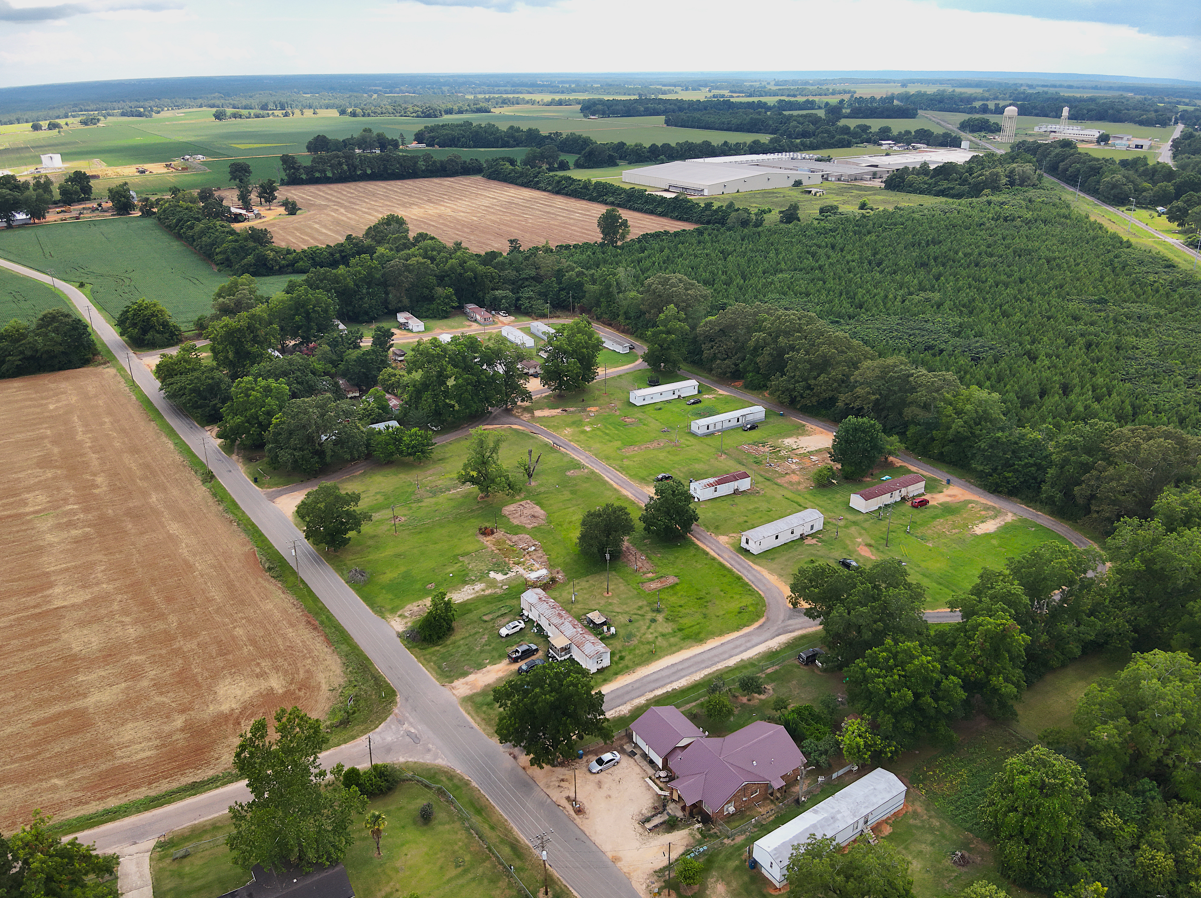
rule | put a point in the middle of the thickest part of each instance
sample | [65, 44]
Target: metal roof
[712, 770]
[663, 388]
[556, 616]
[663, 728]
[889, 486]
[793, 520]
[706, 173]
[725, 416]
[722, 480]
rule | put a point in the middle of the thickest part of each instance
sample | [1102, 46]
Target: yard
[945, 545]
[436, 545]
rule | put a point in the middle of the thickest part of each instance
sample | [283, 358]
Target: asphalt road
[424, 705]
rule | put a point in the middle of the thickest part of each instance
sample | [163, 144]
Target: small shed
[351, 391]
[397, 354]
[664, 392]
[410, 323]
[513, 335]
[339, 325]
[888, 492]
[545, 331]
[596, 619]
[663, 731]
[590, 652]
[703, 427]
[476, 314]
[777, 533]
[841, 817]
[727, 484]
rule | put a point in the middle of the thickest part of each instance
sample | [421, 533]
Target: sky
[45, 41]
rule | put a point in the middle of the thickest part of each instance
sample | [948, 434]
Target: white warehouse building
[545, 331]
[664, 392]
[703, 427]
[697, 178]
[840, 817]
[714, 487]
[777, 533]
[513, 335]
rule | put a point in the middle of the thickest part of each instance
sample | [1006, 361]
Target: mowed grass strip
[437, 546]
[944, 545]
[25, 299]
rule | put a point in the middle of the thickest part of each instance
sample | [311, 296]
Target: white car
[604, 762]
[512, 627]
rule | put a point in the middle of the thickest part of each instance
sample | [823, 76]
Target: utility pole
[393, 518]
[370, 760]
[607, 572]
[129, 364]
[92, 326]
[1132, 210]
[889, 530]
[540, 842]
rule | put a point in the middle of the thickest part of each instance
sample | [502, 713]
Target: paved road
[426, 706]
[1165, 152]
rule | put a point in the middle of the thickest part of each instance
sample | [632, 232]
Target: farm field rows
[124, 259]
[483, 214]
[944, 545]
[141, 633]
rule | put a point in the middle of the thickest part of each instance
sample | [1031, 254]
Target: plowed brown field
[140, 633]
[482, 214]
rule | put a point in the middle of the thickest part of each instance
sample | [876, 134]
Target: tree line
[57, 341]
[352, 164]
[1145, 111]
[807, 132]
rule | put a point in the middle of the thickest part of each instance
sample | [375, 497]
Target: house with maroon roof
[888, 492]
[713, 487]
[663, 733]
[718, 777]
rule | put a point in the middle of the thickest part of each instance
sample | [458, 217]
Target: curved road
[427, 707]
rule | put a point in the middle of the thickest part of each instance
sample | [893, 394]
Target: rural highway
[424, 705]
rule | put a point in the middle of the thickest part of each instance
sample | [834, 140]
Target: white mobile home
[664, 392]
[513, 335]
[785, 530]
[410, 323]
[383, 425]
[840, 817]
[622, 346]
[888, 492]
[725, 485]
[545, 331]
[568, 637]
[703, 427]
[445, 338]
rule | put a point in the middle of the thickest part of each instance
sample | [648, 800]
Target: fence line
[445, 794]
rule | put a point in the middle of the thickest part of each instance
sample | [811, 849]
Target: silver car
[604, 762]
[512, 627]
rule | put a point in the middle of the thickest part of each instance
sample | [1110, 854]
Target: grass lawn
[440, 858]
[25, 298]
[1051, 701]
[124, 259]
[940, 549]
[436, 542]
[846, 196]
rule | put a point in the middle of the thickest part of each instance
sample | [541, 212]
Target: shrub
[717, 684]
[827, 209]
[718, 707]
[689, 871]
[823, 476]
[380, 779]
[751, 684]
[352, 776]
[427, 812]
[439, 622]
[779, 703]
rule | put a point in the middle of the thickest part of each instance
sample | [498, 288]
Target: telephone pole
[540, 842]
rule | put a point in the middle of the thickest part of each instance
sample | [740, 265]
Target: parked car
[849, 563]
[512, 627]
[530, 665]
[659, 478]
[751, 426]
[604, 762]
[523, 651]
[695, 400]
[810, 656]
[919, 503]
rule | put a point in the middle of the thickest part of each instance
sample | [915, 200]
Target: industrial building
[840, 817]
[410, 323]
[888, 492]
[664, 392]
[703, 427]
[545, 331]
[1071, 132]
[704, 178]
[513, 335]
[568, 637]
[714, 487]
[777, 533]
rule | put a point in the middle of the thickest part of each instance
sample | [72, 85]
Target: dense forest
[808, 132]
[1137, 110]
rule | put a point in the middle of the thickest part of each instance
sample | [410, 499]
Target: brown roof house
[663, 733]
[716, 778]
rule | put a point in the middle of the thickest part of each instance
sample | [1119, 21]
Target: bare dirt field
[141, 634]
[484, 215]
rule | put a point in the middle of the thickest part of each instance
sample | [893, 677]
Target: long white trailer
[785, 530]
[410, 323]
[703, 427]
[664, 392]
[545, 331]
[513, 335]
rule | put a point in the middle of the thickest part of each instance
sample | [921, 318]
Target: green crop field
[25, 299]
[436, 542]
[124, 259]
[944, 545]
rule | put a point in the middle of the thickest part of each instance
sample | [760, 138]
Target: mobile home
[621, 346]
[785, 530]
[410, 323]
[888, 492]
[703, 427]
[545, 331]
[664, 392]
[568, 637]
[513, 335]
[738, 482]
[476, 314]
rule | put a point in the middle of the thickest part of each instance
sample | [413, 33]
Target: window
[753, 794]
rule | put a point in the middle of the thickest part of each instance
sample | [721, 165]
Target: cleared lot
[484, 215]
[141, 635]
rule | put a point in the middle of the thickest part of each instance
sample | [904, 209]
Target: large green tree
[547, 711]
[330, 516]
[402, 442]
[821, 868]
[201, 393]
[1034, 809]
[299, 814]
[313, 432]
[987, 652]
[604, 529]
[237, 295]
[571, 355]
[147, 323]
[302, 314]
[858, 446]
[183, 361]
[121, 198]
[665, 342]
[672, 511]
[483, 468]
[246, 419]
[241, 342]
[439, 621]
[35, 863]
[659, 291]
[903, 688]
[614, 229]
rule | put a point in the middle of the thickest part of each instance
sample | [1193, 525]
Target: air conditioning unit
[729, 810]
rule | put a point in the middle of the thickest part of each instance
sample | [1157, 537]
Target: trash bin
[948, 481]
[752, 863]
[580, 753]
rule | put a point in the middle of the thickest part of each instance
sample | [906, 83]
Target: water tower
[1009, 124]
[1063, 120]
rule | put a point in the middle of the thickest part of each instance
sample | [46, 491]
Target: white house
[842, 817]
[664, 392]
[513, 335]
[785, 530]
[410, 323]
[703, 427]
[568, 637]
[445, 338]
[662, 732]
[621, 346]
[889, 491]
[738, 482]
[545, 331]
